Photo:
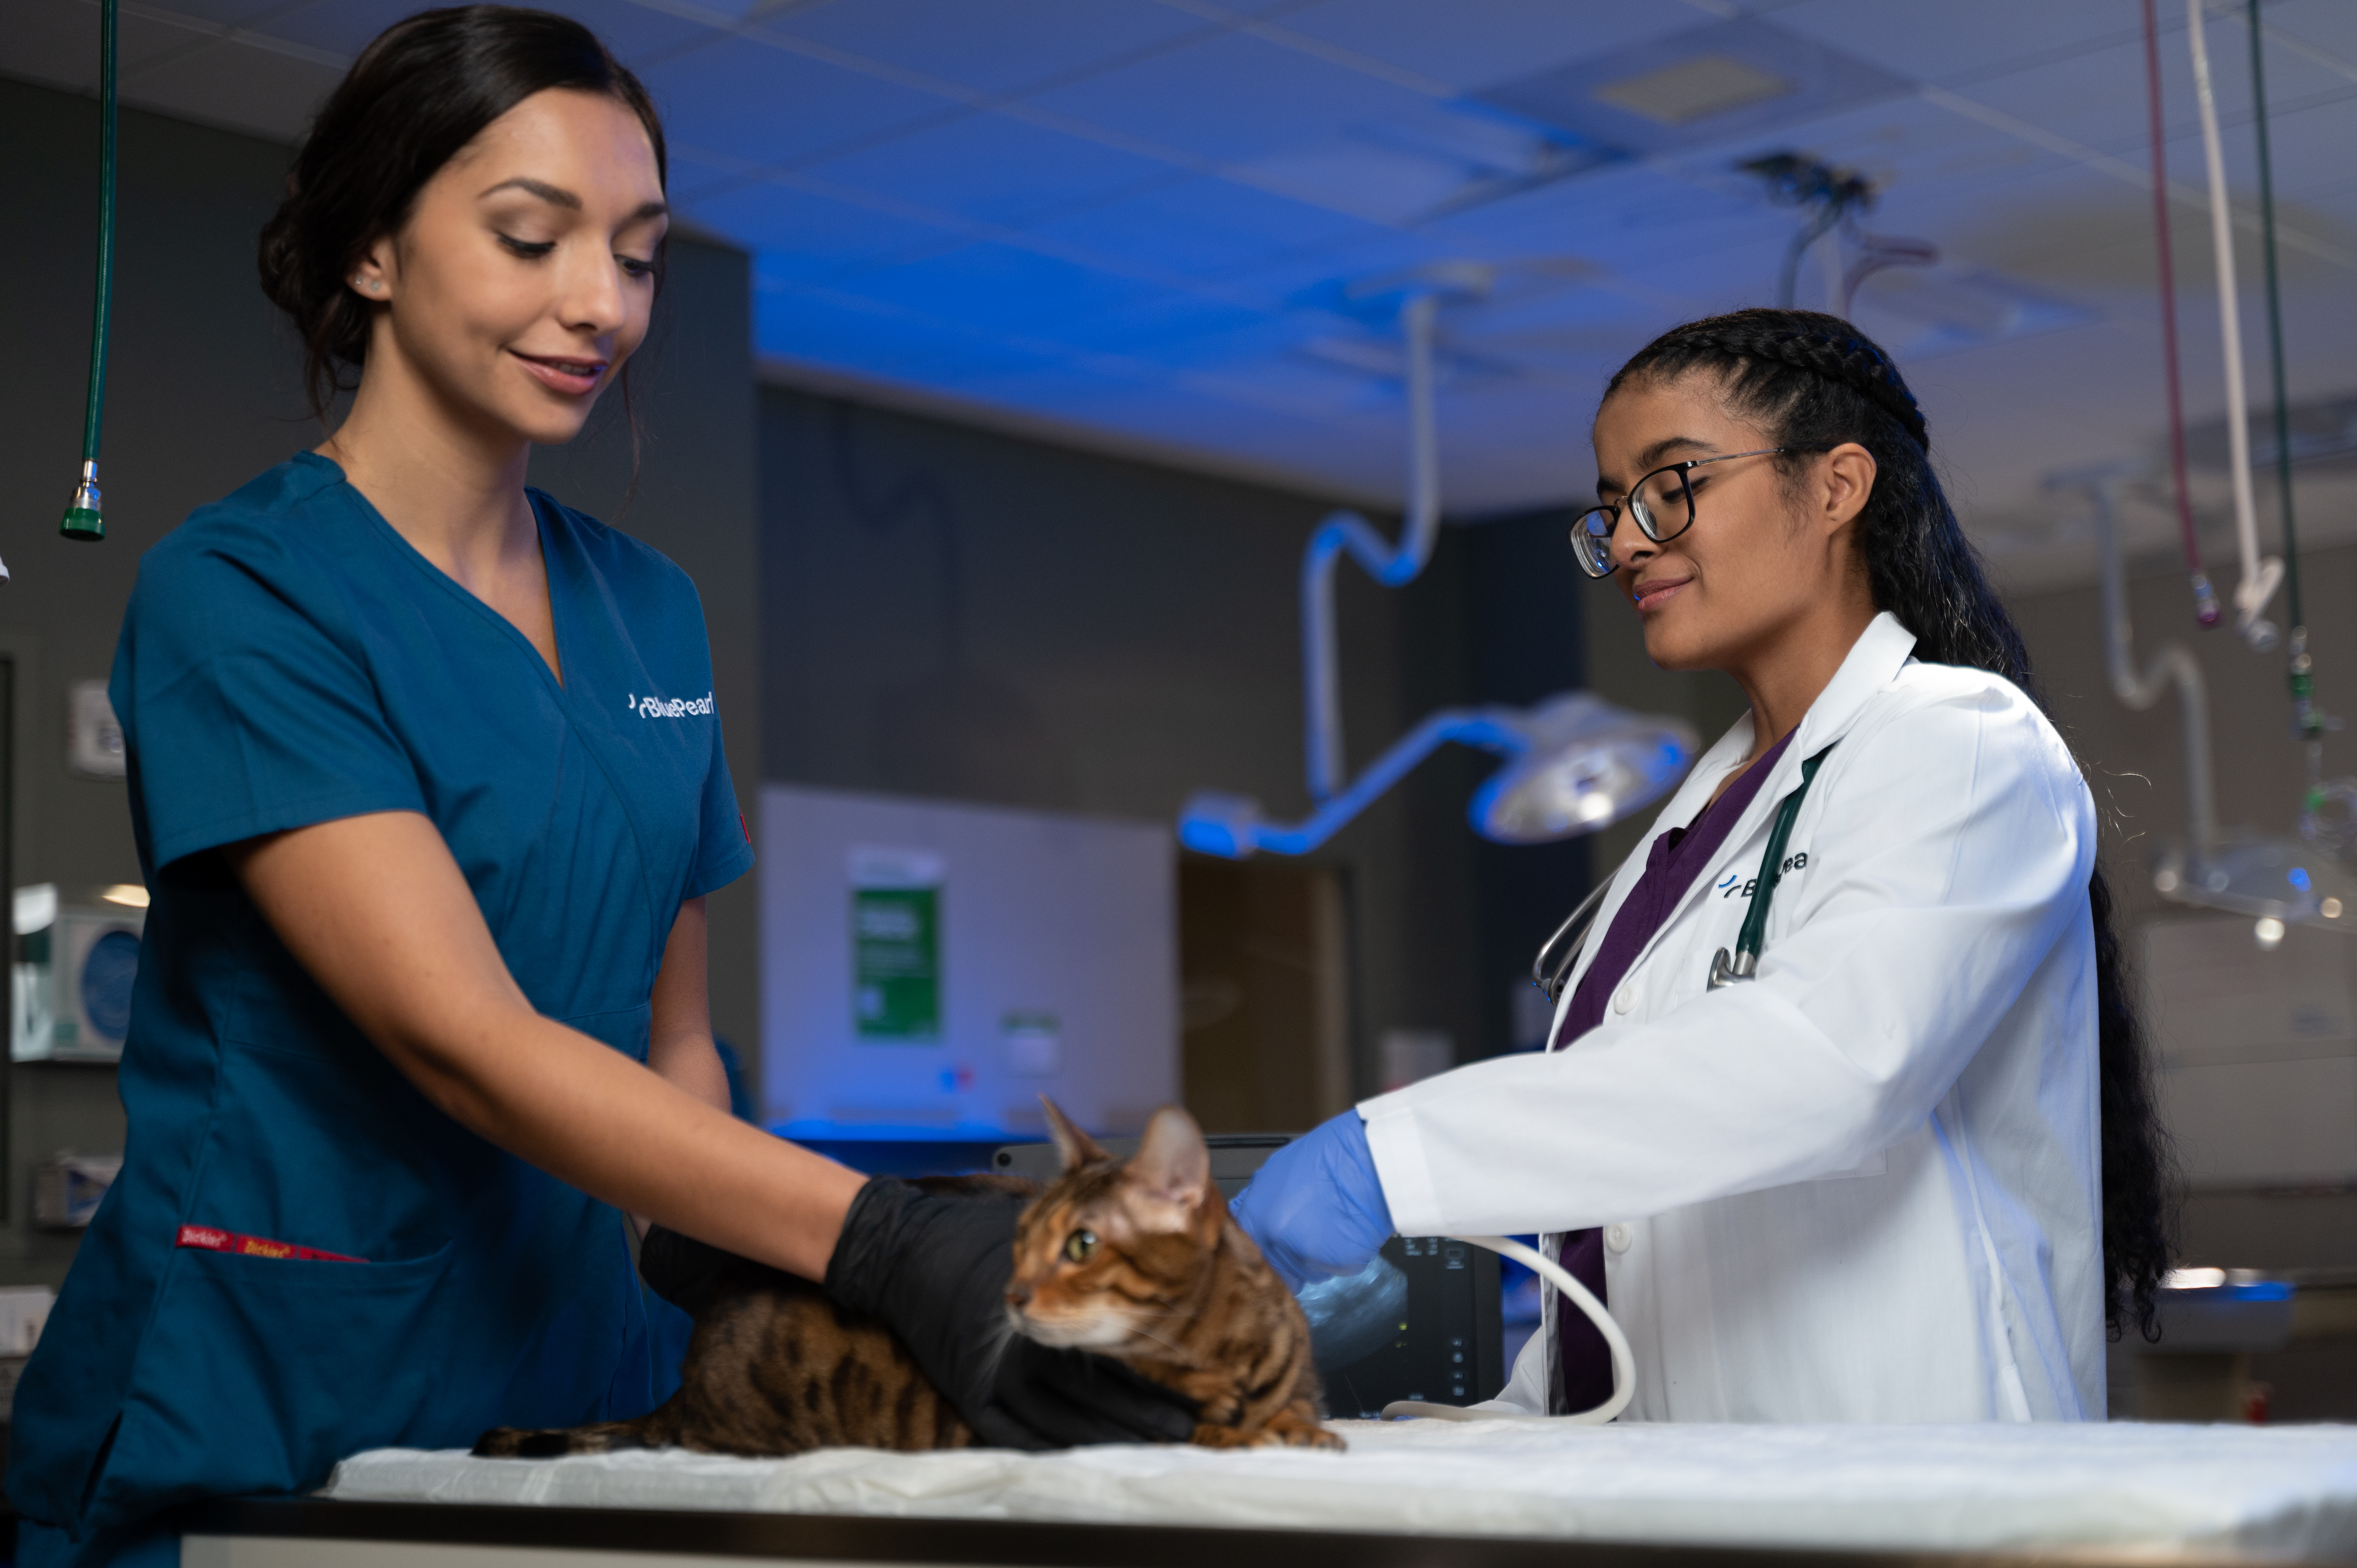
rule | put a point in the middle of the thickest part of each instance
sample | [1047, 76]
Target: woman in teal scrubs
[427, 784]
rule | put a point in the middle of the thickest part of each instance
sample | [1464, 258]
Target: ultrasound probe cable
[1624, 1369]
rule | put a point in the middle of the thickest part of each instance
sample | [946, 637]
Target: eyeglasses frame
[1643, 517]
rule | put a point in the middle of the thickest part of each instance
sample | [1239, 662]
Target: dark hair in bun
[425, 89]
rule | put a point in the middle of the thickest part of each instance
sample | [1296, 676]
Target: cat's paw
[1283, 1432]
[1303, 1433]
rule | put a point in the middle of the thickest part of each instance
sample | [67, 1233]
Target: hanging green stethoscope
[82, 518]
[1556, 959]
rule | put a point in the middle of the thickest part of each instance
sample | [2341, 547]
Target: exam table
[1479, 1494]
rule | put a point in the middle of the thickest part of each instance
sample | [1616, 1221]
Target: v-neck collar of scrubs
[418, 558]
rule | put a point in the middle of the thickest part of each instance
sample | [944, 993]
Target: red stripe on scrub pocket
[206, 1239]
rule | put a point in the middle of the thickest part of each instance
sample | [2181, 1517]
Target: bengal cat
[1134, 1259]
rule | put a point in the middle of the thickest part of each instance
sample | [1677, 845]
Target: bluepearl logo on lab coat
[1736, 885]
[671, 708]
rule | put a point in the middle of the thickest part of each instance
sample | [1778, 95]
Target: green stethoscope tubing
[82, 518]
[1549, 972]
[1771, 872]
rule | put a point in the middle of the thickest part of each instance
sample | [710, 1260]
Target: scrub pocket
[257, 1374]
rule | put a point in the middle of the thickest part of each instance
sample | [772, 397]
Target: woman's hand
[934, 1268]
[1316, 1208]
[376, 911]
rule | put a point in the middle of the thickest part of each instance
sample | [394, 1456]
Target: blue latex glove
[1316, 1208]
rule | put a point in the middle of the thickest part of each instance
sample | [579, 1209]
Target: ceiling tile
[996, 288]
[1937, 43]
[997, 47]
[1234, 96]
[265, 94]
[1203, 228]
[764, 105]
[340, 26]
[633, 31]
[1473, 42]
[862, 337]
[797, 234]
[2327, 25]
[991, 169]
[1803, 77]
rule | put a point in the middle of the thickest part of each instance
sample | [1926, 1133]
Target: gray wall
[202, 395]
[960, 614]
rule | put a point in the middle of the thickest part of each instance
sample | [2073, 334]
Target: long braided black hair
[1812, 381]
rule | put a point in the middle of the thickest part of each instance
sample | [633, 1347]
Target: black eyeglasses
[1662, 505]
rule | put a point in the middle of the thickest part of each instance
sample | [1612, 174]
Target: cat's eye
[1081, 1246]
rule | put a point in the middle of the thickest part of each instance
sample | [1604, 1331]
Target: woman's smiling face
[524, 274]
[1766, 544]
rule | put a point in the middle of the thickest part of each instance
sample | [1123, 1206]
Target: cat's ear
[1077, 1147]
[1169, 1177]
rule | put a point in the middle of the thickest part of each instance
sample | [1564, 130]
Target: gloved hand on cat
[1316, 1208]
[934, 1267]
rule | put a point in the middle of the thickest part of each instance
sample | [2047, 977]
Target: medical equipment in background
[1624, 1364]
[84, 519]
[2277, 881]
[24, 1311]
[1574, 762]
[2260, 578]
[68, 1188]
[69, 985]
[2205, 597]
[1839, 194]
[2329, 812]
[929, 969]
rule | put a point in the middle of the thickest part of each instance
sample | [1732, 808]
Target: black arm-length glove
[933, 1267]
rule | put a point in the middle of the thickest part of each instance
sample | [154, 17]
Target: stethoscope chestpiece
[1726, 971]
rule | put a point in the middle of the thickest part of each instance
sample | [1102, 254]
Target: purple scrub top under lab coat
[1670, 867]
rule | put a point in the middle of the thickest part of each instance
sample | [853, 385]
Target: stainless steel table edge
[1018, 1544]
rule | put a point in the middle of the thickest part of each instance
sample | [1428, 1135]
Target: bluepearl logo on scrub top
[669, 708]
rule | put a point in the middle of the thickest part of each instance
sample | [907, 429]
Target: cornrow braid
[1811, 383]
[1820, 345]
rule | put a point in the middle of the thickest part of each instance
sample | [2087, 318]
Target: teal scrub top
[289, 659]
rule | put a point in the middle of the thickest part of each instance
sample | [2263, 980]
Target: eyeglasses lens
[1591, 538]
[1664, 504]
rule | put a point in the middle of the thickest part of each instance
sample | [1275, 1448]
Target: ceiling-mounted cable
[2309, 723]
[83, 520]
[2260, 578]
[2205, 597]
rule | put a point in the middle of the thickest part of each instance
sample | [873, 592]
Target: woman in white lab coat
[1910, 1170]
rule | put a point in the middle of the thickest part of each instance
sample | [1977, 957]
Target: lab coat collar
[1874, 660]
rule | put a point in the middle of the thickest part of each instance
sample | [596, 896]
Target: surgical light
[1574, 762]
[2276, 881]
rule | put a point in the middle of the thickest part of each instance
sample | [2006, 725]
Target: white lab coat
[1865, 1186]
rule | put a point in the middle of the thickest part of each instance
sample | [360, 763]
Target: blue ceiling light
[1575, 762]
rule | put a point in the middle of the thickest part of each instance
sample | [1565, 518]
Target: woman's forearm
[586, 1114]
[377, 911]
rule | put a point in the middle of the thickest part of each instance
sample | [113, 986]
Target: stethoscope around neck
[1560, 954]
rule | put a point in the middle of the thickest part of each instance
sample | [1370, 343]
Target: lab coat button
[1617, 1238]
[1623, 999]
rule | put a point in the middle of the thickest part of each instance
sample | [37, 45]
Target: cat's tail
[601, 1437]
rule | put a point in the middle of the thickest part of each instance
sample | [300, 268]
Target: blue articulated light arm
[1391, 566]
[1231, 825]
